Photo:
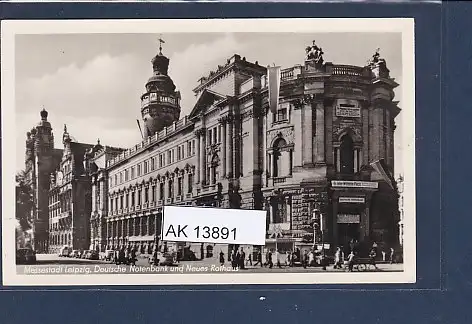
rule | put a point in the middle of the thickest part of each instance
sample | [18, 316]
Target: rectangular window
[139, 197]
[180, 186]
[160, 160]
[282, 114]
[146, 167]
[219, 134]
[215, 136]
[161, 190]
[121, 202]
[153, 164]
[190, 182]
[153, 193]
[126, 175]
[132, 173]
[127, 201]
[178, 153]
[133, 198]
[116, 203]
[189, 148]
[116, 179]
[169, 157]
[138, 170]
[209, 137]
[146, 195]
[171, 189]
[121, 177]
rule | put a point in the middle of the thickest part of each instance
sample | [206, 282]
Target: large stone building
[232, 151]
[313, 152]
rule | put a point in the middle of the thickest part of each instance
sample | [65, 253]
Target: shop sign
[348, 112]
[355, 184]
[348, 219]
[354, 200]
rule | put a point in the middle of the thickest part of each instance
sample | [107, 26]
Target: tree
[24, 200]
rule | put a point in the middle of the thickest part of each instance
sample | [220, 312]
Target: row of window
[154, 163]
[62, 239]
[147, 194]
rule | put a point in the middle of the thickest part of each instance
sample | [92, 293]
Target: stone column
[229, 148]
[335, 221]
[320, 134]
[356, 167]
[148, 225]
[197, 133]
[134, 226]
[202, 158]
[297, 120]
[223, 145]
[271, 164]
[307, 135]
[140, 226]
[108, 233]
[338, 159]
[123, 229]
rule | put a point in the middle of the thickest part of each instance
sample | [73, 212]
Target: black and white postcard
[250, 151]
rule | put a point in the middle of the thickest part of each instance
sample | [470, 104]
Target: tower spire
[161, 41]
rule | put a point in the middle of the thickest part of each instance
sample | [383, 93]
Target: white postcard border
[10, 28]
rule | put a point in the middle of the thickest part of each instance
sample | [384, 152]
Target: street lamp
[315, 213]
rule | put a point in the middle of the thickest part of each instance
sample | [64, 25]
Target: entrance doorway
[348, 232]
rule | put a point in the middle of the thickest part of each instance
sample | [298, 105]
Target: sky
[93, 82]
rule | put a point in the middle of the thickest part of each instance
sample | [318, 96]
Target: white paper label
[214, 225]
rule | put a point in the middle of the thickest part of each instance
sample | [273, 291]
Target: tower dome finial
[44, 114]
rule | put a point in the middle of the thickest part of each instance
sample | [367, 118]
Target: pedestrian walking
[269, 260]
[222, 258]
[372, 256]
[351, 260]
[338, 258]
[250, 259]
[259, 259]
[305, 259]
[234, 260]
[242, 259]
[392, 255]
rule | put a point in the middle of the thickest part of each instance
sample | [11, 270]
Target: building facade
[307, 161]
[313, 153]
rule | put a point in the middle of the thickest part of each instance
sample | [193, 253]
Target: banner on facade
[213, 225]
[381, 167]
[348, 219]
[273, 76]
[355, 184]
[354, 200]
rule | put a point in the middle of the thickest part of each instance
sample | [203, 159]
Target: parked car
[79, 254]
[25, 256]
[65, 251]
[86, 254]
[166, 258]
[74, 254]
[108, 255]
[93, 255]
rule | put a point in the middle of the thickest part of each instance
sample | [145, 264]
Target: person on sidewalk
[222, 258]
[259, 259]
[372, 256]
[351, 260]
[338, 259]
[269, 260]
[392, 255]
[242, 259]
[305, 259]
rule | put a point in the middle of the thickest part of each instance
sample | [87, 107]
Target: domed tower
[160, 104]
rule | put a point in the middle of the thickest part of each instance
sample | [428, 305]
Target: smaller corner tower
[160, 104]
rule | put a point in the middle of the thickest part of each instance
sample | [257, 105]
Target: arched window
[281, 159]
[347, 155]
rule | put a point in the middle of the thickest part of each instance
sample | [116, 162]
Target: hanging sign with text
[355, 184]
[354, 200]
[214, 225]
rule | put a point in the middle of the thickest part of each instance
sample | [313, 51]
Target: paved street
[53, 264]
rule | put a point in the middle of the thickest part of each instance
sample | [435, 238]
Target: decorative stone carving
[285, 133]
